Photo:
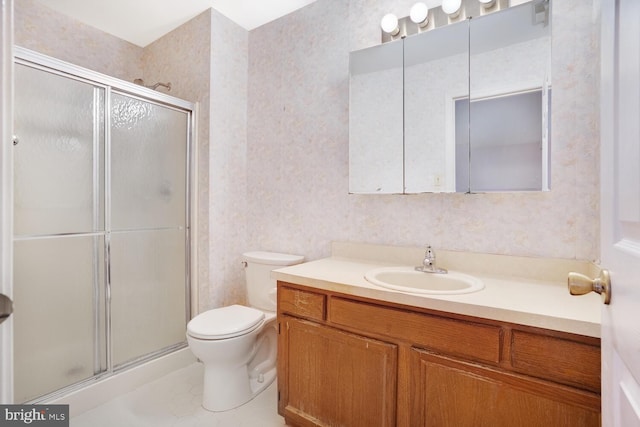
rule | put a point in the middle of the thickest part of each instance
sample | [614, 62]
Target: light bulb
[419, 14]
[389, 24]
[451, 7]
[486, 4]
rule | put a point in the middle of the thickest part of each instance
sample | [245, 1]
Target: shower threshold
[88, 394]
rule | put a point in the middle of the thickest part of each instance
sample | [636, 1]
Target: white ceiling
[143, 21]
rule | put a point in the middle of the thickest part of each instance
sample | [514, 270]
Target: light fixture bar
[422, 19]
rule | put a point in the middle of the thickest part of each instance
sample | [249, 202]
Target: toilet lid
[225, 322]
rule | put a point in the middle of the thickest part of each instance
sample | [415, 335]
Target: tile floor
[174, 400]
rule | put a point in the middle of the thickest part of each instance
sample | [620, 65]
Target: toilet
[238, 344]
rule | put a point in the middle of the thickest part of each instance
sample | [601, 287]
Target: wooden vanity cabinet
[328, 376]
[348, 361]
[336, 378]
[450, 392]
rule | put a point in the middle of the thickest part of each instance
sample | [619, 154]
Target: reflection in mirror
[375, 120]
[436, 71]
[509, 111]
[506, 153]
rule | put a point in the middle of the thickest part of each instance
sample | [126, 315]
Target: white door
[6, 202]
[620, 211]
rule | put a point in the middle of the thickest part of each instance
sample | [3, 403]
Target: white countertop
[544, 303]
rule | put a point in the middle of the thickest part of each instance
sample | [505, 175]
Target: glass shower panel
[101, 229]
[148, 274]
[58, 337]
[57, 160]
[148, 172]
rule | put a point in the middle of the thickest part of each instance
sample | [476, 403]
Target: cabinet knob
[579, 284]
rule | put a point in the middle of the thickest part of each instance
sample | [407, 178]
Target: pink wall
[298, 147]
[46, 31]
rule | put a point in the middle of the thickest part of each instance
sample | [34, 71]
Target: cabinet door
[375, 120]
[332, 378]
[446, 392]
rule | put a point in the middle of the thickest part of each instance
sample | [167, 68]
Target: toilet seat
[225, 322]
[272, 258]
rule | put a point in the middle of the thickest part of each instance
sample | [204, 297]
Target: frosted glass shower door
[59, 319]
[149, 146]
[59, 123]
[101, 235]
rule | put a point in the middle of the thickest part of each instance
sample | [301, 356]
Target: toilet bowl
[238, 353]
[238, 344]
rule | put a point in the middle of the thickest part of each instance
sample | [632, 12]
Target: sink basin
[407, 279]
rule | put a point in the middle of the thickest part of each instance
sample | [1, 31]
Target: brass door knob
[579, 284]
[6, 307]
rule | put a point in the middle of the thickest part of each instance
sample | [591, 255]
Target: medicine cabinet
[460, 108]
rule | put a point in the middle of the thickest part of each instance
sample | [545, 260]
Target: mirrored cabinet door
[375, 120]
[509, 89]
[464, 107]
[435, 75]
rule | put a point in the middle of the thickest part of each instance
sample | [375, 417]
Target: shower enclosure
[101, 225]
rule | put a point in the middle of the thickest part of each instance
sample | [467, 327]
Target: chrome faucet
[429, 263]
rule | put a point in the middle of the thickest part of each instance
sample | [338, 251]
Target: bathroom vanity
[352, 354]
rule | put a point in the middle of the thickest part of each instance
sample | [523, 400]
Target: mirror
[463, 107]
[375, 114]
[509, 63]
[436, 72]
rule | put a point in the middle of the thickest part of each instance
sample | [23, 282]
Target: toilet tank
[261, 288]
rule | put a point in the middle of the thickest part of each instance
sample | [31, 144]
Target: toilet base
[258, 385]
[237, 369]
[229, 385]
[218, 398]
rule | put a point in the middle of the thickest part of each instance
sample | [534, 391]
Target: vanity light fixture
[487, 4]
[452, 8]
[419, 14]
[422, 19]
[389, 24]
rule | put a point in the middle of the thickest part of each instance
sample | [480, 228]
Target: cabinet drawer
[469, 340]
[300, 303]
[560, 360]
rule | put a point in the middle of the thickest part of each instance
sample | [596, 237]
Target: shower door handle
[6, 307]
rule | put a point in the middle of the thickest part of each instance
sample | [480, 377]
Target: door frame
[6, 196]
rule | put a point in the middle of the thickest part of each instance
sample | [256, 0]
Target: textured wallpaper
[227, 158]
[49, 32]
[297, 166]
